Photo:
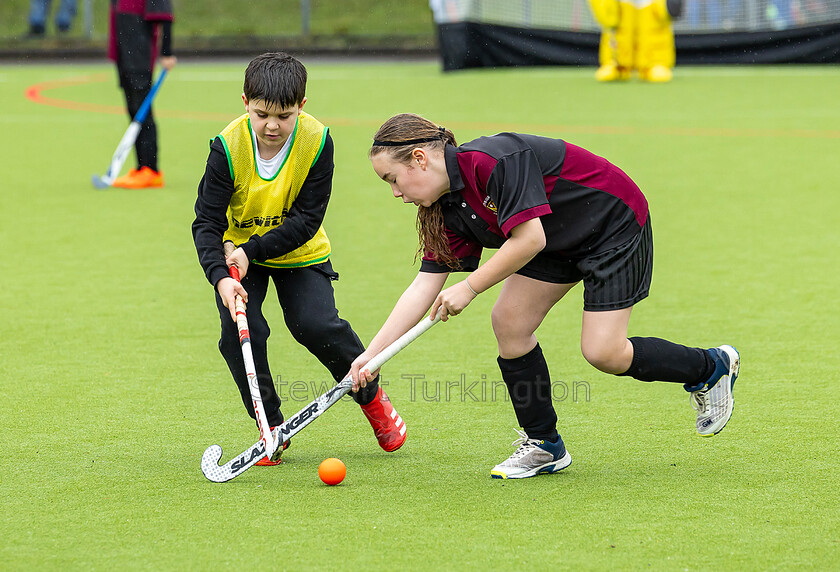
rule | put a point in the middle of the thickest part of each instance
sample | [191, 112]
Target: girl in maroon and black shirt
[558, 215]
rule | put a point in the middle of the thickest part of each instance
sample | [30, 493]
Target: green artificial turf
[113, 387]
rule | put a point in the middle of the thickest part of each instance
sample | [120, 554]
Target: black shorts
[612, 280]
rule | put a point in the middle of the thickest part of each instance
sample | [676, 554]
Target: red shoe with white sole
[388, 426]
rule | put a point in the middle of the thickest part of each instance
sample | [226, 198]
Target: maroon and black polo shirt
[586, 204]
[133, 33]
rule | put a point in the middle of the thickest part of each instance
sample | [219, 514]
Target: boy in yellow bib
[266, 187]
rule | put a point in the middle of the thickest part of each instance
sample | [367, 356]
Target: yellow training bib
[259, 205]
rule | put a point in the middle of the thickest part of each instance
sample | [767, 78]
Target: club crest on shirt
[488, 204]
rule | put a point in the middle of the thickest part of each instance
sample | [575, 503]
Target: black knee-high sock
[529, 386]
[655, 359]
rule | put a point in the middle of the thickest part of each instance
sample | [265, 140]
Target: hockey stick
[245, 460]
[266, 438]
[128, 139]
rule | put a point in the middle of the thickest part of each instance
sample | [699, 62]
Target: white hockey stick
[128, 139]
[248, 357]
[245, 460]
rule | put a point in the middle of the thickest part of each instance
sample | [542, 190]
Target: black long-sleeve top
[300, 225]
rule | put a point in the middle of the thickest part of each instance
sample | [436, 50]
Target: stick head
[210, 464]
[100, 182]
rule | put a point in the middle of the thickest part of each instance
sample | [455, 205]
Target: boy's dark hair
[276, 78]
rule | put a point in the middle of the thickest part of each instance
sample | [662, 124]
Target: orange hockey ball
[332, 471]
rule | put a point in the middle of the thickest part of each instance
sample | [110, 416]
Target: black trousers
[136, 86]
[308, 302]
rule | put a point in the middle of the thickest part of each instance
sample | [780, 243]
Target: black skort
[612, 280]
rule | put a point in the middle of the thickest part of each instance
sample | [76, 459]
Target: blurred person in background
[140, 31]
[704, 14]
[713, 15]
[811, 11]
[637, 36]
[40, 9]
[779, 14]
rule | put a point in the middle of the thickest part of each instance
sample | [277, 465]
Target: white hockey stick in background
[128, 139]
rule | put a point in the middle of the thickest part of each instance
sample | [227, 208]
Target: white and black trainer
[714, 400]
[533, 457]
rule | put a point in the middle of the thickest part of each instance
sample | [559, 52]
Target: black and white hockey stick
[245, 460]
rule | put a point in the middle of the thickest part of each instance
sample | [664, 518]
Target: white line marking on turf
[210, 76]
[411, 69]
[314, 75]
[743, 71]
[685, 71]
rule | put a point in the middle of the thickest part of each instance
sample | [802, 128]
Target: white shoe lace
[699, 401]
[524, 446]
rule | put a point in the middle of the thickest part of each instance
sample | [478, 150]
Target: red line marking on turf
[35, 94]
